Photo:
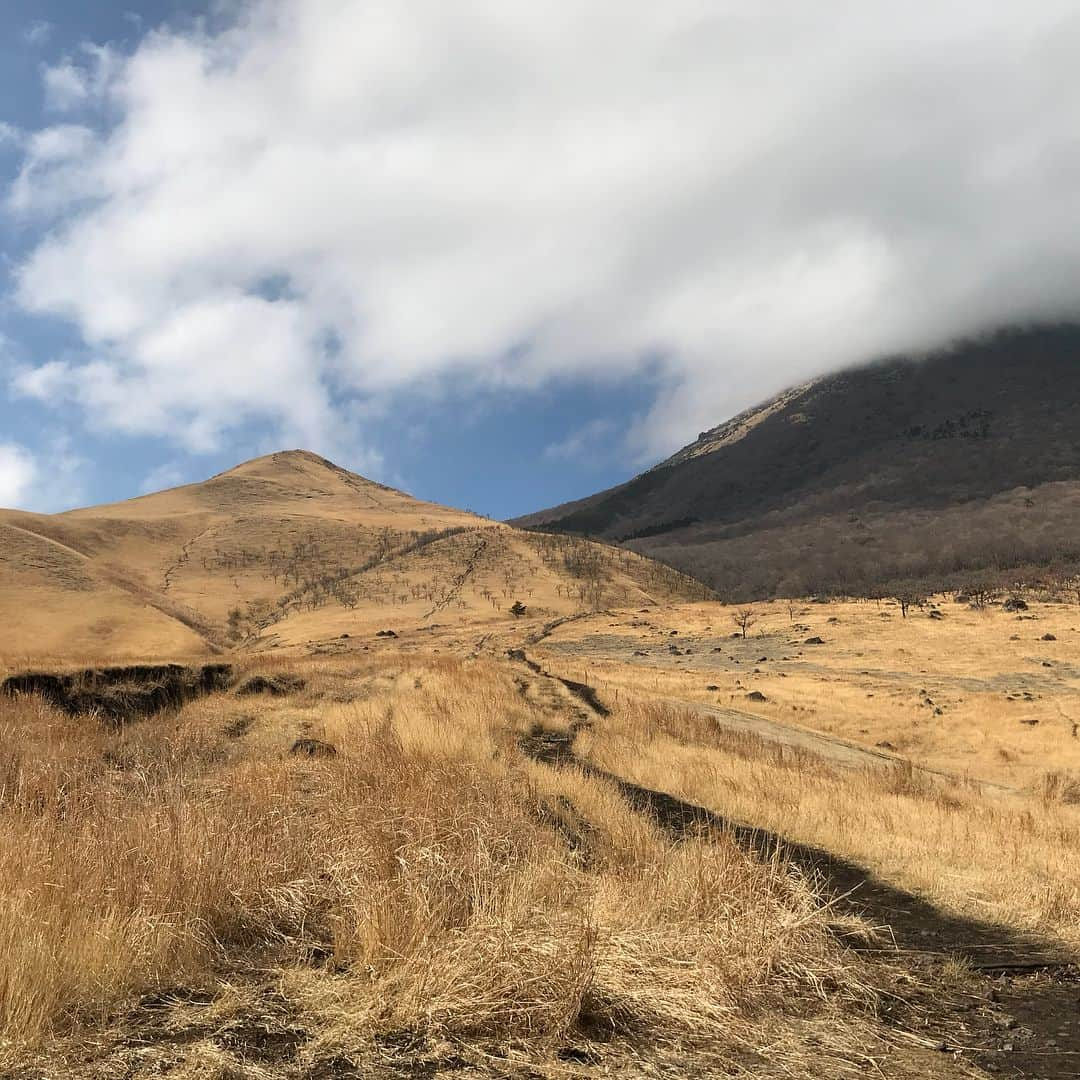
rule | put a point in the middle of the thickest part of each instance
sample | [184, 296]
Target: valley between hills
[302, 777]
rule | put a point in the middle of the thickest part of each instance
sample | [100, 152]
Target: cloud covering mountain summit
[315, 202]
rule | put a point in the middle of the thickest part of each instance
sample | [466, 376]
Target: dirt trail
[1020, 1017]
[839, 751]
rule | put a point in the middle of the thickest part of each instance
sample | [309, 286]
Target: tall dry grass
[996, 858]
[413, 883]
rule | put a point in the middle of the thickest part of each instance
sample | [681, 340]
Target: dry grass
[999, 859]
[975, 693]
[414, 887]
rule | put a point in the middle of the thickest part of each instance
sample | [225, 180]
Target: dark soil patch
[121, 694]
[586, 693]
[313, 748]
[274, 685]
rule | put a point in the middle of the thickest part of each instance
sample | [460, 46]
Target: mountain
[280, 551]
[920, 472]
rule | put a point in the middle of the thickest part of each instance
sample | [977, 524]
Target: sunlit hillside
[284, 549]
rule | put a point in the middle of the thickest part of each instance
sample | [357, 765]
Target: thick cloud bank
[330, 200]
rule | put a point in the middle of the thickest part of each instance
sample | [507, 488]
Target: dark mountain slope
[919, 471]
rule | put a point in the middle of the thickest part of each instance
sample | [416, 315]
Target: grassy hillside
[923, 471]
[286, 549]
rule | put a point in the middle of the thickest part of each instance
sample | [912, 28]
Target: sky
[500, 255]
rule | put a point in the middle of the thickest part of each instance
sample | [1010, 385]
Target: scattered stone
[386, 633]
[712, 686]
[1031, 722]
[344, 636]
[1049, 637]
[1014, 603]
[756, 695]
[313, 748]
[885, 745]
[814, 641]
[935, 614]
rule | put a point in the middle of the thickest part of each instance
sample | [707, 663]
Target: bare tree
[908, 598]
[744, 618]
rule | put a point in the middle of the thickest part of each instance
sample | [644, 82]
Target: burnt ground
[1017, 1011]
[120, 694]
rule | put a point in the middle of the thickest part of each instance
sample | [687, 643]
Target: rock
[313, 748]
[756, 695]
[937, 614]
[1049, 637]
[712, 686]
[1014, 603]
[885, 745]
[344, 636]
[1031, 722]
[386, 633]
[814, 641]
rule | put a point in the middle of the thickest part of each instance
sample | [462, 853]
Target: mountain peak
[906, 472]
[288, 460]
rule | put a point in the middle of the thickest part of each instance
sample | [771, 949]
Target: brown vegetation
[408, 891]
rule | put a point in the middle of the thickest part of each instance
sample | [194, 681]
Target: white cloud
[165, 476]
[65, 86]
[18, 471]
[736, 194]
[584, 444]
[38, 32]
[53, 175]
[72, 84]
[46, 480]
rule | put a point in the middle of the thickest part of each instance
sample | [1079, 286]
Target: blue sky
[499, 255]
[497, 452]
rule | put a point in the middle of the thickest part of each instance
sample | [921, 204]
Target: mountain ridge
[840, 474]
[279, 551]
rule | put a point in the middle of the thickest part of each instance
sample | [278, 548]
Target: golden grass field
[602, 837]
[184, 895]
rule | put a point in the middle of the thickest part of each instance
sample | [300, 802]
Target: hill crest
[918, 471]
[283, 550]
